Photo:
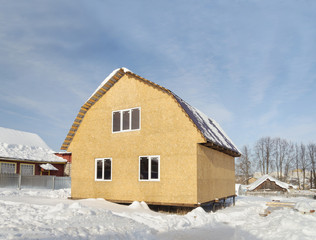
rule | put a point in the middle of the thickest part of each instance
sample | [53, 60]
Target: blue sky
[250, 65]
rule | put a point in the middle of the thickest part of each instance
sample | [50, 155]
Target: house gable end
[104, 87]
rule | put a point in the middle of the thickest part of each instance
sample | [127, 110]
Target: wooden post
[233, 200]
[20, 181]
[53, 184]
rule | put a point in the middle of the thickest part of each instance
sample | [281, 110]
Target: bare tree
[276, 153]
[259, 155]
[244, 165]
[263, 152]
[282, 157]
[297, 163]
[288, 160]
[311, 149]
[303, 161]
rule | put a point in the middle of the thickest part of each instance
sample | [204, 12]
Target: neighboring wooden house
[67, 156]
[136, 140]
[269, 184]
[27, 154]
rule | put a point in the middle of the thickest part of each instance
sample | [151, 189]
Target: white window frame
[130, 120]
[13, 163]
[149, 169]
[96, 172]
[27, 164]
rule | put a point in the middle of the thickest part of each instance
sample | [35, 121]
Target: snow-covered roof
[209, 128]
[12, 136]
[25, 146]
[259, 181]
[48, 167]
[30, 153]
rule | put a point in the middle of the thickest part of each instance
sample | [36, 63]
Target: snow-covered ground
[46, 214]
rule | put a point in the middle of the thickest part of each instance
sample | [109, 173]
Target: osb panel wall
[165, 131]
[216, 174]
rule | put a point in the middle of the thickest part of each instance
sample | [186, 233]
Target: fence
[281, 194]
[48, 182]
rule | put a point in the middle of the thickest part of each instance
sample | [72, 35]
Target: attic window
[126, 120]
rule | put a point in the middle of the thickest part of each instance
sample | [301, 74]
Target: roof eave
[221, 149]
[89, 103]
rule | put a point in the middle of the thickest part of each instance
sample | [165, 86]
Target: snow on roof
[25, 146]
[209, 127]
[23, 152]
[12, 136]
[259, 181]
[108, 78]
[48, 166]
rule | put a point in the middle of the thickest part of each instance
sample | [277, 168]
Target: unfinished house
[134, 140]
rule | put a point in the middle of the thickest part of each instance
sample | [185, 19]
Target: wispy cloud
[247, 64]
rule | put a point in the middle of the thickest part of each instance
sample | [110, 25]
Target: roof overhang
[48, 167]
[221, 149]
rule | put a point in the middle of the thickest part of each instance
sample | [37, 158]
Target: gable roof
[259, 181]
[19, 145]
[215, 137]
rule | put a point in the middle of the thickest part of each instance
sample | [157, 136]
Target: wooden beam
[281, 204]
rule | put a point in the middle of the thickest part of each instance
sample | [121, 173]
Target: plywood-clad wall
[216, 174]
[165, 131]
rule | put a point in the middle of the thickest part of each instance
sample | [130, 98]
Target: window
[27, 169]
[103, 169]
[126, 120]
[149, 168]
[8, 167]
[135, 118]
[116, 121]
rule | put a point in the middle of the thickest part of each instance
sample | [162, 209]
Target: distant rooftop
[12, 136]
[28, 146]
